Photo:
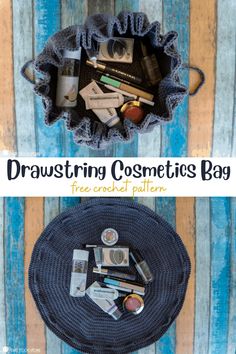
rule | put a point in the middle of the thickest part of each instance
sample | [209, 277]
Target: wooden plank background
[203, 126]
[206, 323]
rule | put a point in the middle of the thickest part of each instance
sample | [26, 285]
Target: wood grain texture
[150, 144]
[175, 134]
[233, 152]
[33, 227]
[202, 54]
[130, 149]
[2, 278]
[73, 13]
[51, 210]
[232, 299]
[14, 273]
[49, 140]
[165, 207]
[203, 258]
[220, 274]
[24, 96]
[225, 78]
[185, 226]
[7, 119]
[100, 6]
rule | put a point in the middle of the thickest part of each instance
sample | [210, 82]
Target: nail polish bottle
[141, 266]
[150, 66]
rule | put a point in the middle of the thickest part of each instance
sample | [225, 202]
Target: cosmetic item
[104, 293]
[150, 66]
[107, 306]
[68, 79]
[127, 88]
[133, 111]
[118, 73]
[124, 285]
[124, 93]
[114, 273]
[115, 256]
[117, 49]
[79, 273]
[143, 100]
[141, 266]
[133, 303]
[92, 54]
[104, 100]
[109, 237]
[98, 256]
[119, 288]
[107, 116]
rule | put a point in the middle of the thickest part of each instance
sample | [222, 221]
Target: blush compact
[133, 111]
[133, 303]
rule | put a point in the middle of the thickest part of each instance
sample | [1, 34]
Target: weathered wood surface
[207, 227]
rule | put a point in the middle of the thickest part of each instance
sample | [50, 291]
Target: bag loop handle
[201, 75]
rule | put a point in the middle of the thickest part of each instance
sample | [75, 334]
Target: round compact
[133, 111]
[109, 237]
[133, 303]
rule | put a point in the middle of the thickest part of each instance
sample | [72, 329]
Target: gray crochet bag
[98, 28]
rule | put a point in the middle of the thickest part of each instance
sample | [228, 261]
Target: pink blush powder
[132, 304]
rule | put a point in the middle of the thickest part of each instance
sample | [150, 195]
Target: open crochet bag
[87, 129]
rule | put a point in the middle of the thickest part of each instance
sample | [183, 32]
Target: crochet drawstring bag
[88, 130]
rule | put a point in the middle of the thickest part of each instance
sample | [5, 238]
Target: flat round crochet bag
[79, 321]
[87, 128]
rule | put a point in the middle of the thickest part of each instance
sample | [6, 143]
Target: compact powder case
[133, 303]
[109, 237]
[133, 111]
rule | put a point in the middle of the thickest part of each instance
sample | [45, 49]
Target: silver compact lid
[109, 237]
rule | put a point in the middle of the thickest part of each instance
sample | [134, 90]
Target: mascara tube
[112, 71]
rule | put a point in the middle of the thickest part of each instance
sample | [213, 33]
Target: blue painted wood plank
[73, 13]
[150, 144]
[130, 149]
[2, 279]
[165, 207]
[203, 257]
[68, 202]
[220, 274]
[49, 140]
[24, 96]
[14, 273]
[174, 134]
[225, 78]
[51, 210]
[233, 153]
[232, 301]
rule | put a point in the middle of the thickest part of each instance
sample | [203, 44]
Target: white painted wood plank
[24, 96]
[203, 256]
[51, 210]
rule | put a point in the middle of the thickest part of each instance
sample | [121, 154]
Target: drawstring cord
[201, 75]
